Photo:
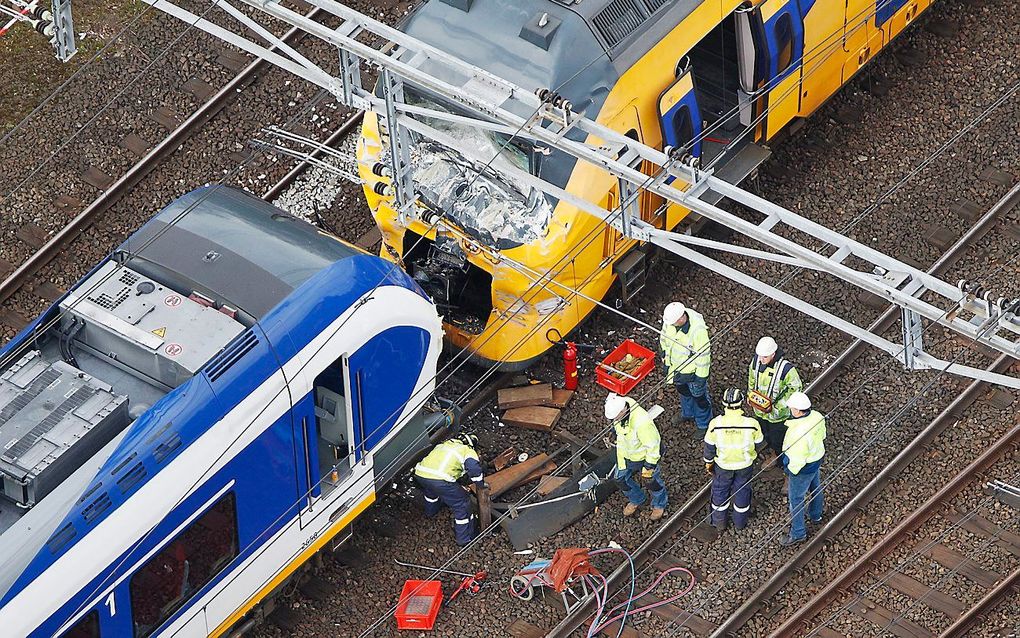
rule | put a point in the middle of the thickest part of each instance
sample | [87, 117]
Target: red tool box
[419, 605]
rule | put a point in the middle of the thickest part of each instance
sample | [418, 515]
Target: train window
[783, 32]
[165, 583]
[683, 125]
[87, 627]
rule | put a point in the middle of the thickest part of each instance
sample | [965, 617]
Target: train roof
[237, 248]
[579, 48]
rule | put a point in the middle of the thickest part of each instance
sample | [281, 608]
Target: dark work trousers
[731, 487]
[694, 400]
[774, 432]
[438, 493]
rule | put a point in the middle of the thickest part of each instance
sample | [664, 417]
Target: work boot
[786, 541]
[629, 509]
[720, 525]
[657, 513]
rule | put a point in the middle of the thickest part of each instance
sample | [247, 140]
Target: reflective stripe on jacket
[637, 438]
[777, 381]
[446, 462]
[686, 352]
[731, 440]
[804, 442]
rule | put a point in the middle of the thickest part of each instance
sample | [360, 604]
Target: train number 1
[111, 602]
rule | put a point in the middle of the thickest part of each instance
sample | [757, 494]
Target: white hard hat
[799, 401]
[615, 405]
[766, 346]
[673, 312]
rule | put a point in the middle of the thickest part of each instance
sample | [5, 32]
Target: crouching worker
[732, 443]
[438, 475]
[637, 452]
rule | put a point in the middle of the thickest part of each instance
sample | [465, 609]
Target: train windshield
[484, 198]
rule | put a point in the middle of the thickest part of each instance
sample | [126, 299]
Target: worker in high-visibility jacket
[771, 380]
[438, 475]
[687, 355]
[803, 450]
[638, 449]
[732, 444]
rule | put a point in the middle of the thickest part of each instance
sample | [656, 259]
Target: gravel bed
[825, 180]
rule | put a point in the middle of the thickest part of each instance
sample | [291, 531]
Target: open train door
[681, 124]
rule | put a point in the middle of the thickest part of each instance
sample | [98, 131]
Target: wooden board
[548, 468]
[550, 483]
[511, 477]
[954, 560]
[538, 394]
[532, 417]
[937, 600]
[888, 621]
[981, 526]
[560, 398]
[681, 617]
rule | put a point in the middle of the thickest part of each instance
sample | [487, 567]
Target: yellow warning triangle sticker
[160, 332]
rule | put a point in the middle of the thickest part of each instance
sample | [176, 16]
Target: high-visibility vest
[686, 352]
[804, 442]
[734, 437]
[637, 438]
[446, 461]
[777, 382]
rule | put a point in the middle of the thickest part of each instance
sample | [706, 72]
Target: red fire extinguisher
[570, 366]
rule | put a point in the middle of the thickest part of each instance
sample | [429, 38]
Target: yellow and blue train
[705, 75]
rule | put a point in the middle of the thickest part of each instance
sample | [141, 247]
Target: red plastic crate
[622, 386]
[419, 604]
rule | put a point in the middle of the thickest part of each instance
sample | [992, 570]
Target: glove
[648, 476]
[708, 468]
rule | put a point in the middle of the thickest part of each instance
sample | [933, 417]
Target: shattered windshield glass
[496, 207]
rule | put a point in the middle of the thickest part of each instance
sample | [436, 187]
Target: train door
[328, 438]
[861, 37]
[784, 37]
[680, 113]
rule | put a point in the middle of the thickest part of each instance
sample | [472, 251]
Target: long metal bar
[965, 622]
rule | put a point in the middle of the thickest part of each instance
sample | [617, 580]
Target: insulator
[542, 93]
[381, 188]
[380, 169]
[41, 26]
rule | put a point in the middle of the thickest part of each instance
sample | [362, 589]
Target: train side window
[87, 627]
[783, 32]
[170, 578]
[683, 125]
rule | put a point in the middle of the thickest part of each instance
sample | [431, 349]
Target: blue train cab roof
[238, 248]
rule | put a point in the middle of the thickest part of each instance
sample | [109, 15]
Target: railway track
[113, 190]
[691, 519]
[926, 532]
[29, 274]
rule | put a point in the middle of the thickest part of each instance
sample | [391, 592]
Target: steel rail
[965, 622]
[695, 508]
[304, 164]
[903, 531]
[45, 254]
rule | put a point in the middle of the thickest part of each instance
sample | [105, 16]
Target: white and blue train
[211, 405]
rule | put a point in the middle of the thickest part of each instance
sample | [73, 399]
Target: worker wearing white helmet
[771, 380]
[637, 451]
[803, 450]
[687, 355]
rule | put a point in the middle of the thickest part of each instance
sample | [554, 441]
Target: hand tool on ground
[470, 584]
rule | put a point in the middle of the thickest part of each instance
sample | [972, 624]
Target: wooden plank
[886, 620]
[954, 560]
[166, 118]
[12, 319]
[31, 234]
[511, 477]
[612, 630]
[521, 629]
[533, 417]
[6, 267]
[549, 483]
[548, 468]
[981, 526]
[675, 613]
[97, 178]
[669, 561]
[524, 396]
[135, 145]
[560, 398]
[484, 507]
[504, 458]
[825, 632]
[937, 600]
